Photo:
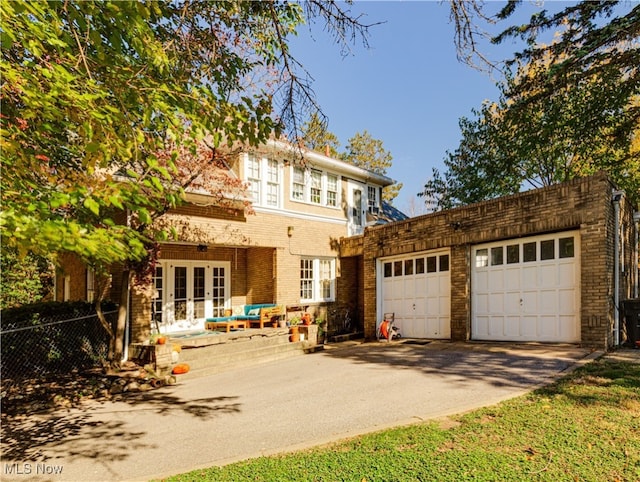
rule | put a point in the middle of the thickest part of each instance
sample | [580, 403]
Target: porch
[208, 352]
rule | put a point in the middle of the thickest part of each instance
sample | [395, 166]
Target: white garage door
[527, 289]
[417, 289]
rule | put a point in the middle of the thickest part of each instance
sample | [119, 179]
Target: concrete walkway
[276, 407]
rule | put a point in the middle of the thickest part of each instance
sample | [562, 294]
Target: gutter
[326, 161]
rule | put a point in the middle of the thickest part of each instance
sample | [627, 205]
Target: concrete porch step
[239, 352]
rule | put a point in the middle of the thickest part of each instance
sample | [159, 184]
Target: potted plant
[320, 321]
[294, 331]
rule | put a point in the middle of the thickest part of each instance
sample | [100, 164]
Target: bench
[258, 314]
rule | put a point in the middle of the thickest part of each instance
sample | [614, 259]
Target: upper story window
[373, 199]
[315, 187]
[264, 177]
[332, 190]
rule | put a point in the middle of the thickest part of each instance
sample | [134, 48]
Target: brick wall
[582, 204]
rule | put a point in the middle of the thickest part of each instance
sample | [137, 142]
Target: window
[419, 265]
[317, 279]
[482, 258]
[273, 183]
[373, 204]
[315, 186]
[388, 271]
[397, 268]
[253, 178]
[264, 180]
[297, 190]
[408, 267]
[547, 250]
[444, 262]
[332, 190]
[566, 247]
[156, 301]
[432, 265]
[529, 252]
[91, 284]
[497, 256]
[513, 253]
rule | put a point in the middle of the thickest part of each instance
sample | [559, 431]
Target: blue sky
[408, 89]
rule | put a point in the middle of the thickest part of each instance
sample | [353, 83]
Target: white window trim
[306, 194]
[317, 285]
[264, 183]
[373, 205]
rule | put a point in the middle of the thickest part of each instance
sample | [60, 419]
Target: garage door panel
[482, 281]
[548, 275]
[548, 301]
[482, 303]
[512, 302]
[530, 302]
[528, 327]
[496, 326]
[522, 297]
[548, 328]
[511, 329]
[529, 277]
[496, 279]
[496, 304]
[567, 301]
[481, 328]
[568, 329]
[566, 275]
[512, 278]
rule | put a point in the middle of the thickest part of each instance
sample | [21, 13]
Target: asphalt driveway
[347, 390]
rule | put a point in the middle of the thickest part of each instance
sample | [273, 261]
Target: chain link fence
[41, 346]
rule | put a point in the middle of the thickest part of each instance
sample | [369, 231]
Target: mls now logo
[27, 468]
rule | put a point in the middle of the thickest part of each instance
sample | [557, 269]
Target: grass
[584, 427]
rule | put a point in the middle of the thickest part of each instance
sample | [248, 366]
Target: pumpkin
[161, 340]
[180, 368]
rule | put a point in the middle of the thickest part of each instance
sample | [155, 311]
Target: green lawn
[585, 427]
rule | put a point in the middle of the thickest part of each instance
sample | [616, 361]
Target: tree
[368, 153]
[571, 107]
[25, 280]
[315, 136]
[103, 100]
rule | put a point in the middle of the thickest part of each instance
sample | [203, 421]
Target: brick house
[536, 266]
[287, 252]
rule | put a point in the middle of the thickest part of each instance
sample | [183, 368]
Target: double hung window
[317, 279]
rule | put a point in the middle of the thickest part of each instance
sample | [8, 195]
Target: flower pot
[306, 319]
[294, 334]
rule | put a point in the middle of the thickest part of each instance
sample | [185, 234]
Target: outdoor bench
[258, 314]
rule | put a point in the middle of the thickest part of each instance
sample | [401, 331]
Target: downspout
[616, 197]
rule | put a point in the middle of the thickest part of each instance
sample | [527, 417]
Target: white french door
[190, 291]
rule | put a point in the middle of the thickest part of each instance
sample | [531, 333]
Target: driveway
[347, 390]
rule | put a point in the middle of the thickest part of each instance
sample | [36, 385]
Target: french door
[187, 292]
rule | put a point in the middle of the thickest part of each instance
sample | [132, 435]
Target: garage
[417, 288]
[527, 289]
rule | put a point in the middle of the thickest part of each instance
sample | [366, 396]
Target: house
[547, 265]
[286, 252]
